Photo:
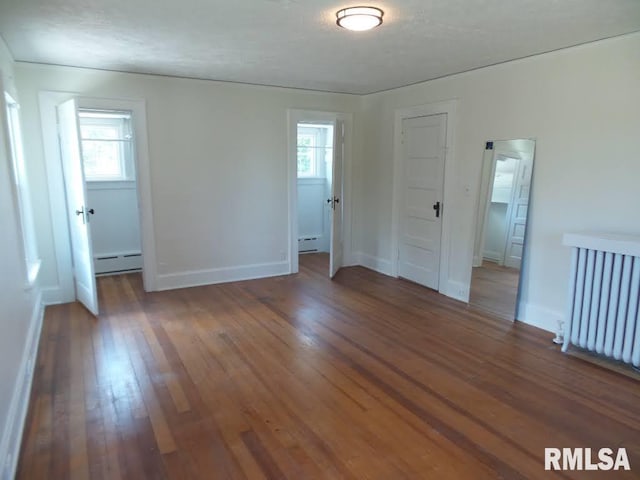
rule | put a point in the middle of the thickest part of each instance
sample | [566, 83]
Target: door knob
[333, 201]
[436, 207]
[80, 212]
[91, 211]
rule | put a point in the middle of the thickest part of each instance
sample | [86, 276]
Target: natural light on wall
[22, 195]
[106, 145]
[315, 150]
[359, 18]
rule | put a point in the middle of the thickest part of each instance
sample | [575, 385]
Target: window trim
[20, 191]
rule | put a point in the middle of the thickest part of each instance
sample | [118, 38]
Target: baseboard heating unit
[604, 296]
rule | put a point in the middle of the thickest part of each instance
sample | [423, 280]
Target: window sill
[313, 180]
[111, 184]
[33, 269]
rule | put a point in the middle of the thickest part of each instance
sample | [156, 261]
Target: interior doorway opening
[314, 160]
[318, 170]
[102, 147]
[109, 164]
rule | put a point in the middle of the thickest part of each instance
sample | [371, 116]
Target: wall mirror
[503, 205]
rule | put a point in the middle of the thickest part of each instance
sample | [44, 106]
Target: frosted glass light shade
[359, 18]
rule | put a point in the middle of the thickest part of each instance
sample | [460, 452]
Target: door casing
[48, 101]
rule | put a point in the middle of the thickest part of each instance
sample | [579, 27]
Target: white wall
[582, 105]
[20, 309]
[495, 232]
[218, 154]
[313, 213]
[115, 226]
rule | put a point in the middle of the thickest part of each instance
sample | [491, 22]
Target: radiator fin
[605, 304]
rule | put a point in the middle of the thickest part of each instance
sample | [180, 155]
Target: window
[307, 162]
[25, 213]
[106, 145]
[315, 149]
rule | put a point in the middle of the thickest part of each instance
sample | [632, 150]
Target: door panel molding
[77, 209]
[447, 107]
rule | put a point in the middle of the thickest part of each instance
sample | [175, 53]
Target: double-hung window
[21, 185]
[307, 155]
[106, 145]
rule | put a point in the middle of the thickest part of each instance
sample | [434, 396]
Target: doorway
[318, 211]
[314, 147]
[109, 164]
[103, 159]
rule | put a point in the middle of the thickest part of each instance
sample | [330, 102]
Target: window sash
[22, 194]
[110, 138]
[307, 151]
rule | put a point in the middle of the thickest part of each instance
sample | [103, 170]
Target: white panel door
[337, 187]
[424, 142]
[517, 221]
[79, 212]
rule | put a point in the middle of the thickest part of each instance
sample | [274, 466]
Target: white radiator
[604, 295]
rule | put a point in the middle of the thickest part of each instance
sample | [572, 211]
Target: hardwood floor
[301, 377]
[494, 288]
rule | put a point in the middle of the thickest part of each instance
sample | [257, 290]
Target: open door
[517, 215]
[335, 257]
[78, 211]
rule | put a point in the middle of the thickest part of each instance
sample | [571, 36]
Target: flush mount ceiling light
[359, 18]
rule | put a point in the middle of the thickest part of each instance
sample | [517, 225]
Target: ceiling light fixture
[359, 18]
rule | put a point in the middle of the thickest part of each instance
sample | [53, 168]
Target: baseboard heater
[604, 296]
[308, 244]
[117, 262]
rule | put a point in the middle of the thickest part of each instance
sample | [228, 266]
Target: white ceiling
[295, 43]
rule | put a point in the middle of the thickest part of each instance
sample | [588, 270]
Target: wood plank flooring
[494, 288]
[301, 377]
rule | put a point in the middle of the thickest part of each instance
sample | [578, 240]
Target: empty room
[313, 240]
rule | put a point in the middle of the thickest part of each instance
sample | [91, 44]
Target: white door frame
[448, 107]
[65, 291]
[293, 117]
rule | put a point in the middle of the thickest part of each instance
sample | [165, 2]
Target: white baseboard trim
[541, 317]
[195, 278]
[456, 290]
[377, 264]
[55, 296]
[492, 256]
[12, 435]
